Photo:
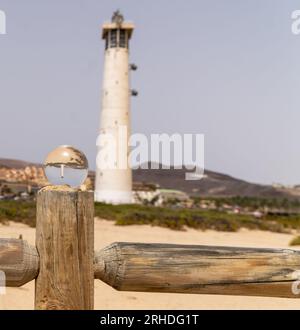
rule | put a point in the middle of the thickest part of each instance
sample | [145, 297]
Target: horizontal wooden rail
[173, 268]
[19, 261]
[198, 269]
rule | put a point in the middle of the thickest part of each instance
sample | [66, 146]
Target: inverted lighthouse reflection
[66, 165]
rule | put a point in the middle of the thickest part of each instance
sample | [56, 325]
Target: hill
[213, 184]
[16, 164]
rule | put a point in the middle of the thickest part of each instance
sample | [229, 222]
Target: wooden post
[65, 243]
[19, 261]
[199, 269]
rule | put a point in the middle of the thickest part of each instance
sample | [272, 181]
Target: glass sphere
[66, 165]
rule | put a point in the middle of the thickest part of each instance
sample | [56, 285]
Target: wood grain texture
[19, 261]
[198, 269]
[65, 242]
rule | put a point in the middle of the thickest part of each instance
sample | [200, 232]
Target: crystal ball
[66, 165]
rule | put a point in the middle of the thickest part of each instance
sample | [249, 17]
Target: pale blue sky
[228, 69]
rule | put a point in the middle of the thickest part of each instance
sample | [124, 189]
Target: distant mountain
[14, 163]
[213, 184]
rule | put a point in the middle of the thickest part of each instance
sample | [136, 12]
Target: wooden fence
[64, 264]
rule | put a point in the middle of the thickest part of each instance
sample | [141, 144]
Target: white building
[114, 183]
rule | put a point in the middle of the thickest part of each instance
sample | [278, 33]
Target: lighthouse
[113, 174]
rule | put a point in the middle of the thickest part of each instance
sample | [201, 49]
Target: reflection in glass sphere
[66, 165]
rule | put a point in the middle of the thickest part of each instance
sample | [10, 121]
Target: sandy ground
[107, 298]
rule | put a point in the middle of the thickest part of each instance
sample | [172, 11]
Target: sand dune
[107, 298]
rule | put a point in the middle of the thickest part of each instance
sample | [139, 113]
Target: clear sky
[228, 69]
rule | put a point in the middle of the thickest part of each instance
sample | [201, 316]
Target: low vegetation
[295, 241]
[18, 211]
[177, 219]
[252, 202]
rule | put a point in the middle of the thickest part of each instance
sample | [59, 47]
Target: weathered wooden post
[65, 243]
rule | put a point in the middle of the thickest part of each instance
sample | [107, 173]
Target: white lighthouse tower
[113, 175]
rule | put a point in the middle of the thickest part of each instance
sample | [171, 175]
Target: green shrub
[18, 211]
[177, 219]
[295, 241]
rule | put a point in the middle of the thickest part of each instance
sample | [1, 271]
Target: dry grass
[295, 241]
